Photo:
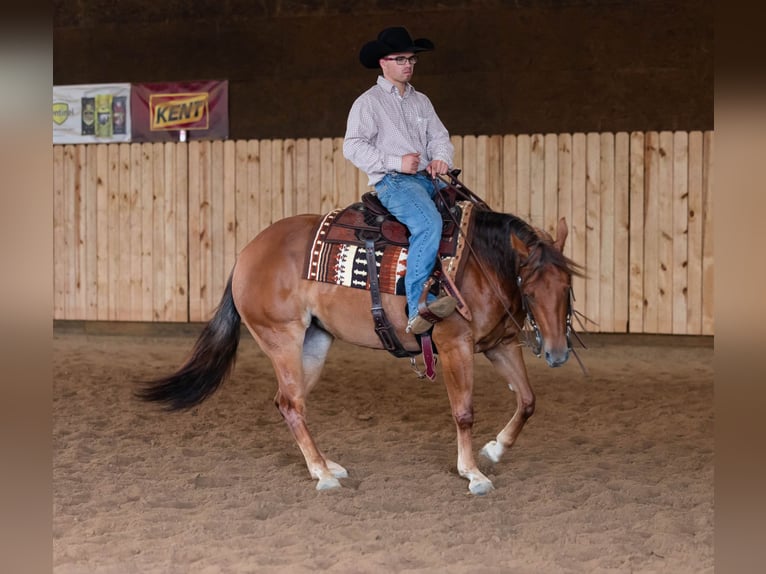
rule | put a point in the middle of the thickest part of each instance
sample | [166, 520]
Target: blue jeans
[409, 198]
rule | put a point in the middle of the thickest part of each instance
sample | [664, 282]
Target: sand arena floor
[614, 473]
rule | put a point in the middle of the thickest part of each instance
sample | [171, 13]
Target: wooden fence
[149, 232]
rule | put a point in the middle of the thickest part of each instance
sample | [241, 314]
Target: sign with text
[91, 113]
[179, 111]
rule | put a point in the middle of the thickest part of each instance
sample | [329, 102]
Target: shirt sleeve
[439, 143]
[358, 143]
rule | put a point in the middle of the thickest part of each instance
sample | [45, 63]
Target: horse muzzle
[556, 357]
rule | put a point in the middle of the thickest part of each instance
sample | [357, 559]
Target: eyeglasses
[401, 60]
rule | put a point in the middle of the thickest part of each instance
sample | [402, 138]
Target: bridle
[529, 319]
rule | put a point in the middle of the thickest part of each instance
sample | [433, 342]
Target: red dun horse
[515, 274]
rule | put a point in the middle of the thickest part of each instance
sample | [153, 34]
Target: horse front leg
[457, 366]
[509, 361]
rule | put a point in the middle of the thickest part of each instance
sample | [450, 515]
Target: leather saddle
[368, 219]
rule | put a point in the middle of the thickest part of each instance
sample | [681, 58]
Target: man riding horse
[394, 135]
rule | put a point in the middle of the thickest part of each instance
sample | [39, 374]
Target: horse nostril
[556, 359]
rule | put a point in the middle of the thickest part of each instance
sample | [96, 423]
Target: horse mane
[492, 243]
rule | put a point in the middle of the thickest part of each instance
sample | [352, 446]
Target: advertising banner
[180, 111]
[91, 113]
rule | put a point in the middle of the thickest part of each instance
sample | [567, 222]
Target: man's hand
[410, 163]
[437, 167]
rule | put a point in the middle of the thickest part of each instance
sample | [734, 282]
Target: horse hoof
[480, 487]
[492, 450]
[337, 470]
[328, 483]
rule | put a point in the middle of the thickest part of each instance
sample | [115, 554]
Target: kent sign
[175, 111]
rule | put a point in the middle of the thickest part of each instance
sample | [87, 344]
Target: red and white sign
[178, 111]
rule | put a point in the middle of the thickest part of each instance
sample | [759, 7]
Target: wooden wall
[149, 232]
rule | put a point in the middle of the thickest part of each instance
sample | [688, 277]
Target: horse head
[544, 278]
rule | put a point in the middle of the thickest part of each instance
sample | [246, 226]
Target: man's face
[395, 72]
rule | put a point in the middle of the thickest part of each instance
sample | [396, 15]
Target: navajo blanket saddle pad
[338, 254]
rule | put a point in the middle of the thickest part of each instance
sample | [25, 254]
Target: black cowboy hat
[391, 41]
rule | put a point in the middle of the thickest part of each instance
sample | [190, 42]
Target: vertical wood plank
[206, 243]
[537, 180]
[170, 206]
[136, 231]
[91, 239]
[147, 233]
[327, 176]
[70, 251]
[229, 214]
[621, 231]
[480, 176]
[217, 224]
[494, 170]
[181, 183]
[315, 176]
[277, 180]
[469, 176]
[302, 204]
[253, 189]
[217, 215]
[59, 237]
[341, 194]
[125, 285]
[159, 240]
[347, 177]
[651, 232]
[510, 174]
[665, 273]
[636, 236]
[607, 232]
[241, 194]
[265, 189]
[81, 238]
[102, 243]
[680, 209]
[289, 193]
[523, 192]
[593, 228]
[195, 256]
[115, 246]
[564, 185]
[708, 149]
[550, 184]
[694, 268]
[577, 230]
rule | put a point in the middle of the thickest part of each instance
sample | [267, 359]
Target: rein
[468, 195]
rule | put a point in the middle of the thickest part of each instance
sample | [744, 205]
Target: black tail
[210, 363]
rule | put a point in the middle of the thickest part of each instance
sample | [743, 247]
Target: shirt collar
[389, 87]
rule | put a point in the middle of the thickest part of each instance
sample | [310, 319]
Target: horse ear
[561, 234]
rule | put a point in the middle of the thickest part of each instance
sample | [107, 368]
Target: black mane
[492, 242]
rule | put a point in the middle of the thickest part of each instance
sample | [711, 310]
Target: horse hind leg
[316, 345]
[285, 347]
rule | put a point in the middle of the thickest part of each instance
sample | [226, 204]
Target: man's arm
[361, 130]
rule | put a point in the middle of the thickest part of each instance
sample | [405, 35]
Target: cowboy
[394, 135]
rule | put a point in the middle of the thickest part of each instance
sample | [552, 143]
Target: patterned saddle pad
[338, 254]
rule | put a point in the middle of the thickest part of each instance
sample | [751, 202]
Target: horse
[515, 275]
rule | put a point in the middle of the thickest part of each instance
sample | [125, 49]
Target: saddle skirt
[338, 254]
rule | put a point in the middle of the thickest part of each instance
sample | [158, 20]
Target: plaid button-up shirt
[384, 126]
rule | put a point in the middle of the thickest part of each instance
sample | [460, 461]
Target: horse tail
[211, 361]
